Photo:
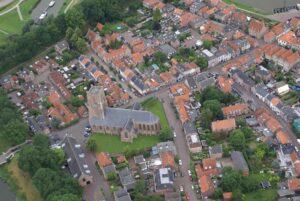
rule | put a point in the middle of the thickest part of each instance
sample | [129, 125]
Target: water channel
[5, 193]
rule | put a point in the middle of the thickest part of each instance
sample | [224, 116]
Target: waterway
[268, 5]
[5, 193]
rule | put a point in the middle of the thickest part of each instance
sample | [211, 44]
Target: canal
[5, 193]
[268, 5]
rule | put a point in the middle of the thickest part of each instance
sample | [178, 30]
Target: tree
[237, 140]
[250, 183]
[140, 186]
[55, 122]
[65, 197]
[15, 131]
[91, 145]
[159, 57]
[156, 16]
[201, 62]
[207, 44]
[75, 18]
[111, 176]
[214, 106]
[240, 122]
[165, 135]
[76, 101]
[248, 132]
[41, 141]
[231, 180]
[206, 118]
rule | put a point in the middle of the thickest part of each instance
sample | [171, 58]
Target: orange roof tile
[223, 125]
[227, 196]
[167, 159]
[282, 137]
[273, 125]
[206, 184]
[240, 108]
[294, 184]
[104, 159]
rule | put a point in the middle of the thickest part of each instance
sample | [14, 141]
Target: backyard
[113, 144]
[261, 195]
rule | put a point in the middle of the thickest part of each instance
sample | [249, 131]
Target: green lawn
[113, 27]
[246, 7]
[152, 104]
[113, 144]
[11, 23]
[26, 7]
[3, 38]
[262, 195]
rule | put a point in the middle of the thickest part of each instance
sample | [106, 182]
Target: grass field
[11, 23]
[152, 104]
[246, 7]
[23, 181]
[113, 144]
[261, 195]
[26, 7]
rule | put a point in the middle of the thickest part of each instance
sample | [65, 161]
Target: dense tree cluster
[43, 165]
[73, 25]
[13, 130]
[211, 100]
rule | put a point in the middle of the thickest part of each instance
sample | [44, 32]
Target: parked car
[43, 15]
[181, 189]
[51, 3]
[174, 134]
[190, 173]
[180, 162]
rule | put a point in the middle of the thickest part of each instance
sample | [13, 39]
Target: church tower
[96, 102]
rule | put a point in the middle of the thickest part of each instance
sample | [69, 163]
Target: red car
[187, 197]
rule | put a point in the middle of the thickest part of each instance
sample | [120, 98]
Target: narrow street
[181, 146]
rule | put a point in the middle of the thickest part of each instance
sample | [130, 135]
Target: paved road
[44, 6]
[181, 146]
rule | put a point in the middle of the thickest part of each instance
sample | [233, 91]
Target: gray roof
[75, 157]
[207, 82]
[139, 159]
[126, 177]
[118, 117]
[243, 76]
[216, 149]
[122, 195]
[260, 89]
[202, 76]
[191, 82]
[163, 178]
[136, 106]
[63, 44]
[189, 128]
[167, 49]
[262, 71]
[285, 192]
[139, 83]
[109, 169]
[166, 146]
[239, 161]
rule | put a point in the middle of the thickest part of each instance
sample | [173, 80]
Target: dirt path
[19, 13]
[12, 8]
